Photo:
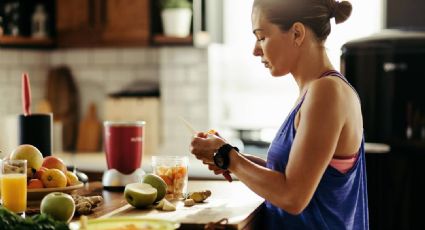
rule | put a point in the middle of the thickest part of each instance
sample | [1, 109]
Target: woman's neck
[311, 66]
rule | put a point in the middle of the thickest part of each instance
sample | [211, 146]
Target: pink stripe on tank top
[343, 165]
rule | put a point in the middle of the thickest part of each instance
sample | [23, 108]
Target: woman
[314, 176]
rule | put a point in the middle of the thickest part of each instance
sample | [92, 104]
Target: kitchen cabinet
[126, 22]
[395, 190]
[20, 18]
[88, 23]
[75, 25]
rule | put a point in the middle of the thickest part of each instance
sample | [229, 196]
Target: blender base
[114, 180]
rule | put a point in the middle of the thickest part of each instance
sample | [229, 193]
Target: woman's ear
[298, 30]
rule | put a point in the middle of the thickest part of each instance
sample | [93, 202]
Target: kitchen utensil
[124, 151]
[188, 126]
[26, 94]
[226, 174]
[36, 130]
[89, 132]
[63, 97]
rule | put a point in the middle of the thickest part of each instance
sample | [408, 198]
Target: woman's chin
[276, 73]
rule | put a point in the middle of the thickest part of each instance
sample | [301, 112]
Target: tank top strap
[342, 77]
[324, 74]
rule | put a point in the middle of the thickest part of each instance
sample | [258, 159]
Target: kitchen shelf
[20, 41]
[160, 39]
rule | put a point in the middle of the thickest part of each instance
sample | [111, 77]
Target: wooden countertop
[233, 201]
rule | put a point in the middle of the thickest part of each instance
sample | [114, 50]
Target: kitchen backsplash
[182, 73]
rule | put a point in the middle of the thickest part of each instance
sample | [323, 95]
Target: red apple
[39, 173]
[52, 162]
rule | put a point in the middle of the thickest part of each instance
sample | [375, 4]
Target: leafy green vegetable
[11, 221]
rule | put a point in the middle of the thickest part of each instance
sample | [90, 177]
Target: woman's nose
[257, 50]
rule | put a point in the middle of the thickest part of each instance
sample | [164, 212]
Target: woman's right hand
[202, 147]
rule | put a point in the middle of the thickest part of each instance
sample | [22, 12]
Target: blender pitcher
[123, 150]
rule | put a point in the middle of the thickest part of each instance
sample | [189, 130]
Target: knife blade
[226, 174]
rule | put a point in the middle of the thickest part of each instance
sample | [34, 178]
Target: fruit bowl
[39, 193]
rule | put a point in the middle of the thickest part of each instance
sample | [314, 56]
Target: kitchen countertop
[232, 201]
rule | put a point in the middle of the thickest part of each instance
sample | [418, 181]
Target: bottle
[39, 22]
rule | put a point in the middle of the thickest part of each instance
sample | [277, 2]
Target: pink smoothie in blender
[124, 151]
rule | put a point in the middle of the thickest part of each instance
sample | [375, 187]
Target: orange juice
[0, 188]
[14, 192]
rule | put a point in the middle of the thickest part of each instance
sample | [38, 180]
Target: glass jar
[174, 171]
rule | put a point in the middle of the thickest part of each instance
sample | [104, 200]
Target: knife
[192, 130]
[26, 94]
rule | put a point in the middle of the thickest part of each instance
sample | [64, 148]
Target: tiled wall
[181, 72]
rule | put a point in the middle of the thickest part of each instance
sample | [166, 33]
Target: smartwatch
[221, 157]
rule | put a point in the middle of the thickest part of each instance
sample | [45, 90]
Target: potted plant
[176, 17]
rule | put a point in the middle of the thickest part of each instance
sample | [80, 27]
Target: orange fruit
[72, 179]
[35, 183]
[54, 178]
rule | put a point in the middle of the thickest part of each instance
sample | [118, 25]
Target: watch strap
[221, 157]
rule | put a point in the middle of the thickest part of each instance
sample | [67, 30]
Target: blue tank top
[340, 200]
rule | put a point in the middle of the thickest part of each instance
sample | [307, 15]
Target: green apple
[140, 195]
[31, 154]
[156, 182]
[58, 205]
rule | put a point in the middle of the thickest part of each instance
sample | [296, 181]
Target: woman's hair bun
[341, 10]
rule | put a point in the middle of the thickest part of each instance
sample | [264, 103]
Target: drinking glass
[174, 171]
[1, 173]
[14, 185]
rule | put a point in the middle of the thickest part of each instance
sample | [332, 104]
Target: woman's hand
[217, 171]
[203, 146]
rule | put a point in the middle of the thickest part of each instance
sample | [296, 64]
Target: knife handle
[26, 94]
[227, 176]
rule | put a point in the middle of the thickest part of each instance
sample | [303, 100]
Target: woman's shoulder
[327, 88]
[332, 93]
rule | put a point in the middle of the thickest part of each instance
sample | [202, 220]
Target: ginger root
[189, 202]
[199, 197]
[85, 205]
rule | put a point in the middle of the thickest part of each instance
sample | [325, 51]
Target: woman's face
[276, 48]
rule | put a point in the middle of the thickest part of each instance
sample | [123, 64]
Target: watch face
[219, 161]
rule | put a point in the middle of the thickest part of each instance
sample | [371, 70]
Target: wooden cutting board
[232, 201]
[89, 131]
[63, 97]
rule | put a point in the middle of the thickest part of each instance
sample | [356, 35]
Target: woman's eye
[260, 39]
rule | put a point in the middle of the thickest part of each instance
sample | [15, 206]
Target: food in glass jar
[175, 177]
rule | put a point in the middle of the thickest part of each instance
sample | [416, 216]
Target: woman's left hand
[203, 146]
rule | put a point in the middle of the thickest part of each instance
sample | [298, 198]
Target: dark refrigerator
[388, 71]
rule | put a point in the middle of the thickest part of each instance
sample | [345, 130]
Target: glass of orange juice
[174, 171]
[1, 166]
[14, 185]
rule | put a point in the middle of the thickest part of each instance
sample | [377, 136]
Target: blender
[123, 150]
